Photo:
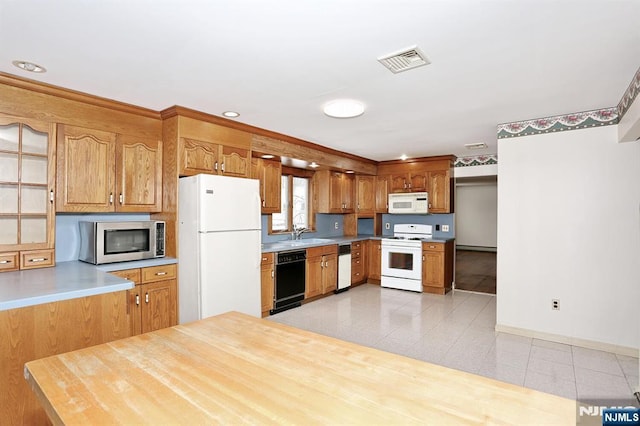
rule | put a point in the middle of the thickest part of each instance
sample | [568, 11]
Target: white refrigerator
[218, 246]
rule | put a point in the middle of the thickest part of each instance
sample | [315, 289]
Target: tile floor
[457, 330]
[476, 271]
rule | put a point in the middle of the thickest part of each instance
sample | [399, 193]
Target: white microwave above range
[409, 203]
[107, 242]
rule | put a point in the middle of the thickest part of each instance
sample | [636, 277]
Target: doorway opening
[476, 233]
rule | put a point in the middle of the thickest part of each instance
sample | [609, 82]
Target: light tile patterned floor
[457, 331]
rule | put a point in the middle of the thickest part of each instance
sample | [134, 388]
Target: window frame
[290, 173]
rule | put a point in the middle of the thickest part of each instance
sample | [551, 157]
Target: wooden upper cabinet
[207, 157]
[409, 182]
[382, 194]
[138, 174]
[197, 157]
[86, 170]
[27, 208]
[439, 192]
[103, 172]
[335, 191]
[235, 161]
[269, 173]
[365, 190]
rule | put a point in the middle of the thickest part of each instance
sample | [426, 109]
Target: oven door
[402, 261]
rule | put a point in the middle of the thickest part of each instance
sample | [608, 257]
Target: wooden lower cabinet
[374, 260]
[358, 262]
[267, 282]
[39, 331]
[437, 267]
[153, 301]
[322, 270]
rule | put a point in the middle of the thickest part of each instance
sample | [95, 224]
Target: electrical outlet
[387, 225]
[335, 225]
[555, 304]
[445, 228]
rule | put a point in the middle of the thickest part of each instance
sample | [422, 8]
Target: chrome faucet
[297, 231]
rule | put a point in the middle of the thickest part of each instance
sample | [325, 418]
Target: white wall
[477, 214]
[569, 229]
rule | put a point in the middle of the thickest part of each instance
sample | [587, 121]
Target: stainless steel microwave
[409, 203]
[107, 242]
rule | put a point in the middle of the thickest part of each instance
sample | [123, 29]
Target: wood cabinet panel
[104, 172]
[9, 261]
[321, 270]
[365, 195]
[235, 161]
[158, 273]
[40, 331]
[358, 262]
[382, 194]
[37, 259]
[269, 173]
[197, 157]
[439, 191]
[437, 267]
[375, 260]
[86, 164]
[267, 283]
[334, 192]
[138, 174]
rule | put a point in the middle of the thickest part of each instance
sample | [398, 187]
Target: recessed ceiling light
[231, 114]
[343, 108]
[267, 156]
[403, 157]
[313, 164]
[29, 66]
[349, 171]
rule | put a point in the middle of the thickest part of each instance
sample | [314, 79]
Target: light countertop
[304, 243]
[66, 280]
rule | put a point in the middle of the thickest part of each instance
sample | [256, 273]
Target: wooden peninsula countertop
[234, 369]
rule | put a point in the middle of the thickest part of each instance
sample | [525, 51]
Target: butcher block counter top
[233, 369]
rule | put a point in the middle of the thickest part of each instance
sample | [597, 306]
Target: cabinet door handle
[215, 166]
[51, 196]
[121, 198]
[111, 198]
[146, 297]
[4, 262]
[432, 246]
[222, 167]
[409, 185]
[263, 203]
[423, 257]
[137, 300]
[272, 274]
[159, 274]
[38, 259]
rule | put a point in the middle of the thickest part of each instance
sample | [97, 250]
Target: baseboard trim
[574, 341]
[476, 248]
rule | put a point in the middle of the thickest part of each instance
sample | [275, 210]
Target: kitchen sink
[304, 242]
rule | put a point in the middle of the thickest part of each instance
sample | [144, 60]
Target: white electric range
[402, 257]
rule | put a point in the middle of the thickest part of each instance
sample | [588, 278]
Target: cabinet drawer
[322, 250]
[158, 273]
[433, 246]
[9, 262]
[266, 258]
[356, 246]
[129, 274]
[36, 259]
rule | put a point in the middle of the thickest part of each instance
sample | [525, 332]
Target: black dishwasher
[289, 280]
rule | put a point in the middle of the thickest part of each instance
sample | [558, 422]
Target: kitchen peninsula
[233, 368]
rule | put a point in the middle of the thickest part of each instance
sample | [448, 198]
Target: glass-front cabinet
[27, 181]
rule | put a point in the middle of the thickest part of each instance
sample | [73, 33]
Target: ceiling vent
[479, 145]
[404, 60]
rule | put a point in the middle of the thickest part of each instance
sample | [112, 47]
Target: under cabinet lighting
[313, 164]
[403, 157]
[267, 156]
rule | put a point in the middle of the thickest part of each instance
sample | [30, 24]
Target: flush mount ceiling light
[231, 114]
[343, 108]
[479, 145]
[29, 66]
